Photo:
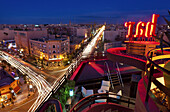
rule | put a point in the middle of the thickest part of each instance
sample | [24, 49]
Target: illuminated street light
[22, 50]
[71, 92]
[30, 86]
[41, 57]
[12, 91]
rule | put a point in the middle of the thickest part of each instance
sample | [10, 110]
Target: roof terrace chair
[119, 94]
[85, 92]
[105, 86]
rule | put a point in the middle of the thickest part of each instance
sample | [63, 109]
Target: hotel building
[52, 50]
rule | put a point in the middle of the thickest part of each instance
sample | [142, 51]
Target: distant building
[112, 45]
[50, 49]
[22, 38]
[113, 35]
[82, 31]
[6, 34]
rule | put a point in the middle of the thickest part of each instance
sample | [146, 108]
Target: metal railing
[119, 76]
[152, 65]
[108, 74]
[89, 100]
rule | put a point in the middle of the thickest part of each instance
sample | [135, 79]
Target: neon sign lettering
[142, 29]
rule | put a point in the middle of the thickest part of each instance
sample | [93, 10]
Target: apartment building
[50, 49]
[22, 38]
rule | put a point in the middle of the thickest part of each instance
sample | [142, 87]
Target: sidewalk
[24, 93]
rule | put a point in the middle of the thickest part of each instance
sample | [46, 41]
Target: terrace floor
[91, 74]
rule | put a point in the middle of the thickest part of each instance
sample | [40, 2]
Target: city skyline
[54, 12]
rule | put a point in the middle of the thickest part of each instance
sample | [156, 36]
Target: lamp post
[41, 58]
[2, 103]
[71, 93]
[13, 94]
[22, 50]
[31, 87]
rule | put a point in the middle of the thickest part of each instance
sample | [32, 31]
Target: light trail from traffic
[89, 48]
[43, 87]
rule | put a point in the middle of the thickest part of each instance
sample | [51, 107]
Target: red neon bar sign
[142, 29]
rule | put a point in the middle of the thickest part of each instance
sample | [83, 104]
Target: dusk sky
[79, 11]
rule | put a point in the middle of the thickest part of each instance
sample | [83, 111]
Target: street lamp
[71, 92]
[31, 88]
[41, 58]
[22, 50]
[12, 91]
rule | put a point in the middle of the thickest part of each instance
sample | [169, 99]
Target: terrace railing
[89, 100]
[150, 70]
[119, 76]
[108, 74]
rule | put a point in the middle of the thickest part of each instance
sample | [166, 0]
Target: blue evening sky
[79, 11]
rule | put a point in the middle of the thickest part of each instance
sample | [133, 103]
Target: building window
[31, 45]
[44, 46]
[22, 34]
[58, 51]
[49, 52]
[49, 47]
[58, 46]
[54, 56]
[54, 51]
[53, 46]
